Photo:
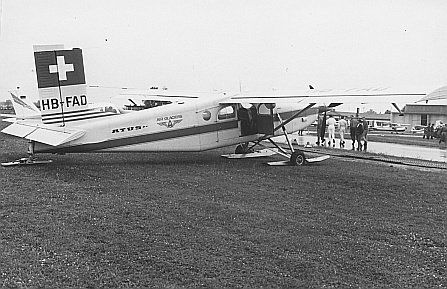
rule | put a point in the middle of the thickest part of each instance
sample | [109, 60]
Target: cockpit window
[108, 108]
[226, 112]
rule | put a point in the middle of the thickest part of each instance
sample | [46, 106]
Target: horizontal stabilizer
[53, 136]
[23, 107]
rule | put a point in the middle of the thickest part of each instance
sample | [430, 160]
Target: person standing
[359, 134]
[342, 125]
[426, 128]
[319, 124]
[365, 134]
[331, 122]
[431, 131]
[352, 128]
[443, 134]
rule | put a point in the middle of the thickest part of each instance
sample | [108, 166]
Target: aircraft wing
[160, 95]
[438, 94]
[330, 97]
[46, 134]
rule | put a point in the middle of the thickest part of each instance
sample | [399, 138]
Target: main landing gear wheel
[298, 158]
[242, 149]
[239, 149]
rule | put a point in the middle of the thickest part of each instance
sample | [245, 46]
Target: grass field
[198, 220]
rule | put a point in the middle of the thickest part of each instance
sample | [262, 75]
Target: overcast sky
[206, 45]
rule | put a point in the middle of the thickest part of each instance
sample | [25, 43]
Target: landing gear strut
[29, 160]
[30, 150]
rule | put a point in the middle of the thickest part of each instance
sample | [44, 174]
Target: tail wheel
[297, 158]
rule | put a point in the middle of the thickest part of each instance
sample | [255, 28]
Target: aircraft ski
[309, 160]
[255, 154]
[26, 162]
[166, 121]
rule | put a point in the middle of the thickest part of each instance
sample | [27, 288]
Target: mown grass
[415, 140]
[199, 220]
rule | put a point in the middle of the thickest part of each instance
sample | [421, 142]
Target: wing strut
[286, 135]
[293, 117]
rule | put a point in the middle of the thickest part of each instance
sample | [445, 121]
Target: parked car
[417, 129]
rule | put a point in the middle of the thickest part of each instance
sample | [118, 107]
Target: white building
[430, 109]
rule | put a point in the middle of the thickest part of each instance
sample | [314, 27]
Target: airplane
[183, 122]
[389, 127]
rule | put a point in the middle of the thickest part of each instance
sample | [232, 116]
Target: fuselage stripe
[75, 118]
[146, 138]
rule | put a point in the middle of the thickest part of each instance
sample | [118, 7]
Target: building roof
[426, 109]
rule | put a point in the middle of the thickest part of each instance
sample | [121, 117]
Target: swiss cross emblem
[61, 68]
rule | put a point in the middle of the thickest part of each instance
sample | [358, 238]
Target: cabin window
[206, 115]
[265, 108]
[226, 112]
[108, 108]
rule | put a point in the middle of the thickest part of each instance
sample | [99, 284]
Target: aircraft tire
[298, 158]
[240, 149]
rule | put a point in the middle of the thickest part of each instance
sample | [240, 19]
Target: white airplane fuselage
[190, 125]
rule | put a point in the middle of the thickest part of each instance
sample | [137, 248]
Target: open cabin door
[265, 119]
[248, 119]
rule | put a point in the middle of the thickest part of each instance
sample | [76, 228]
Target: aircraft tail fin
[61, 84]
[23, 107]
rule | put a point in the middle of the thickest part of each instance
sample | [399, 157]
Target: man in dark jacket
[443, 134]
[359, 134]
[352, 127]
[426, 128]
[431, 131]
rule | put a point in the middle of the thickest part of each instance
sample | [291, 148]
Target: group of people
[358, 130]
[429, 131]
[439, 132]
